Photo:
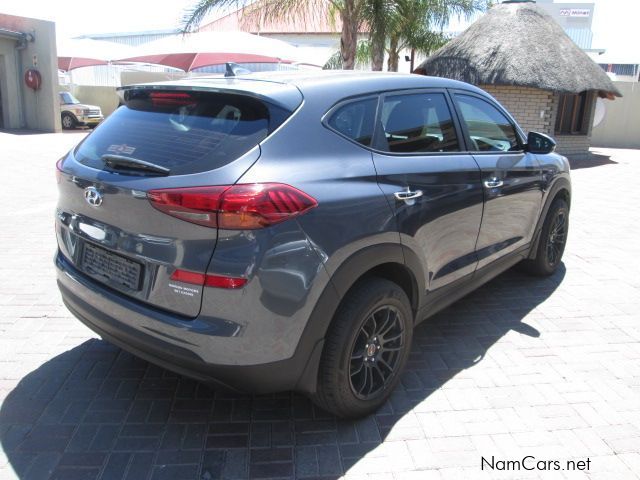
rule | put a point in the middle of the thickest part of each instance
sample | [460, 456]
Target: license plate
[111, 268]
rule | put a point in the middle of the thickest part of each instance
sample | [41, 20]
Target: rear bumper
[187, 347]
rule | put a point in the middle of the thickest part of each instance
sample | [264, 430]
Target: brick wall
[535, 110]
[575, 147]
[532, 108]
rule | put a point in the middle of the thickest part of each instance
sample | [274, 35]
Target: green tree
[349, 12]
[363, 57]
[412, 24]
[378, 16]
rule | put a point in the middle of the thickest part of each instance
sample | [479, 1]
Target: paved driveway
[523, 367]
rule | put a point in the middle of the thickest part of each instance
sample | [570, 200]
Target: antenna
[233, 70]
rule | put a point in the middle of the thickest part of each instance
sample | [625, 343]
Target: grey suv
[274, 232]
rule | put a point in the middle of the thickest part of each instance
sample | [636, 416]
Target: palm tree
[414, 24]
[349, 11]
[378, 14]
[363, 57]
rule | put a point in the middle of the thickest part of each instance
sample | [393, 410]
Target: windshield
[183, 132]
[66, 98]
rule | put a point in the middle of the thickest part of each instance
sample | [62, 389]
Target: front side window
[355, 120]
[418, 123]
[489, 129]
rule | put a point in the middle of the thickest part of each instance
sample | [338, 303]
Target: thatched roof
[518, 44]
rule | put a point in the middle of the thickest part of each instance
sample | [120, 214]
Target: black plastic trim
[561, 183]
[261, 378]
[445, 296]
[347, 274]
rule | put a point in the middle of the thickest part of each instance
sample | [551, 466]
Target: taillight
[215, 281]
[195, 204]
[237, 207]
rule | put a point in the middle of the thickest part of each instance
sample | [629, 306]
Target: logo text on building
[575, 12]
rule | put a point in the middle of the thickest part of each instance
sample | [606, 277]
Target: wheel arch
[393, 262]
[71, 114]
[561, 188]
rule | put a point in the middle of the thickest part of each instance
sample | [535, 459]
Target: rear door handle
[494, 182]
[408, 196]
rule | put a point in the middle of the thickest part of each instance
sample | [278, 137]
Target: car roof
[326, 86]
[367, 80]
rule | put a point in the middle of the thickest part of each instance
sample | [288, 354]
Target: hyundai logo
[93, 196]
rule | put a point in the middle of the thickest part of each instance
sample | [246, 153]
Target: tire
[68, 121]
[362, 363]
[553, 239]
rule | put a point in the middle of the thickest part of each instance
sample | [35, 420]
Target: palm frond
[193, 16]
[256, 14]
[363, 57]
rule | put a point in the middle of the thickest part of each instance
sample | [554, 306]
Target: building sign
[575, 12]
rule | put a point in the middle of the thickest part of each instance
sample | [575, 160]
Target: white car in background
[76, 114]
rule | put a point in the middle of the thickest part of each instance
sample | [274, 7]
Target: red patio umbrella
[191, 61]
[86, 52]
[204, 49]
[69, 63]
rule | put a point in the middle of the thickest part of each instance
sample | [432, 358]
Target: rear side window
[488, 127]
[415, 123]
[186, 132]
[355, 120]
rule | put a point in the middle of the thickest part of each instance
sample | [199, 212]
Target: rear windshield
[186, 132]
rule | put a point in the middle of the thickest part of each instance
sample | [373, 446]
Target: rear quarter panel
[290, 264]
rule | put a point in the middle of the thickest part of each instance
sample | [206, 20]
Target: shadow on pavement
[594, 160]
[23, 133]
[98, 412]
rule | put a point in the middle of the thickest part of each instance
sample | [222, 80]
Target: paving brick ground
[522, 367]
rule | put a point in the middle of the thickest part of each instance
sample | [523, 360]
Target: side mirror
[540, 143]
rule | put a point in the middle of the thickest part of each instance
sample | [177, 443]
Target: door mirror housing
[540, 143]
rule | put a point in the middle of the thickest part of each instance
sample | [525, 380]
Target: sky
[77, 17]
[615, 21]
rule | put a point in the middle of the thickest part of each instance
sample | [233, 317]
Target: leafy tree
[393, 25]
[379, 16]
[363, 57]
[349, 11]
[413, 24]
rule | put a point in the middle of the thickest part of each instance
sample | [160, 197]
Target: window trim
[329, 113]
[459, 125]
[377, 127]
[467, 137]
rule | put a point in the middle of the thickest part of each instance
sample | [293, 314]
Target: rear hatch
[163, 138]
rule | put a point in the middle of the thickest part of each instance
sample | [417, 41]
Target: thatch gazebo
[522, 57]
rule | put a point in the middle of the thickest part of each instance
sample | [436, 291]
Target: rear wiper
[120, 162]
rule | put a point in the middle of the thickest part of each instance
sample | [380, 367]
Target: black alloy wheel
[557, 237]
[365, 349]
[553, 239]
[376, 352]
